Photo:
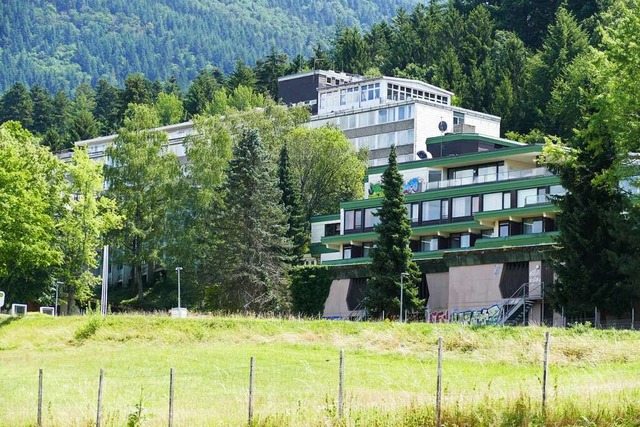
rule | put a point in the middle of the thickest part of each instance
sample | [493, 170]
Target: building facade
[384, 111]
[482, 219]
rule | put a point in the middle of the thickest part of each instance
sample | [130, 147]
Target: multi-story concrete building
[481, 220]
[384, 111]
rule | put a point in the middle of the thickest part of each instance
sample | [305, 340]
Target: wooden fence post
[100, 383]
[251, 367]
[439, 384]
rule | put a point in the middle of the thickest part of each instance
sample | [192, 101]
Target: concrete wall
[474, 287]
[438, 291]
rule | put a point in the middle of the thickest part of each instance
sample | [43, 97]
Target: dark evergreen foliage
[298, 231]
[392, 255]
[310, 288]
[253, 232]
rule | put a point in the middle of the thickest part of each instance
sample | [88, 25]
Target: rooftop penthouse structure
[380, 112]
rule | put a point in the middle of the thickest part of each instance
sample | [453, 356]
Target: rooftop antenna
[443, 127]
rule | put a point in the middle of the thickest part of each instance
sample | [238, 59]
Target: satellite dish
[424, 155]
[442, 126]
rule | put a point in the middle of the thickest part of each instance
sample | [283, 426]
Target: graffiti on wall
[375, 190]
[411, 186]
[440, 316]
[482, 316]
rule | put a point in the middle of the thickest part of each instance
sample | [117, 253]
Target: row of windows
[370, 118]
[350, 95]
[400, 93]
[385, 140]
[456, 208]
[460, 240]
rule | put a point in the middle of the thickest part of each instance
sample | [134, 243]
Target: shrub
[310, 288]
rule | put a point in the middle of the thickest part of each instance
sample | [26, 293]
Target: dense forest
[506, 58]
[59, 44]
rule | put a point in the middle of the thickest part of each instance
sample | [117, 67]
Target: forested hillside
[61, 43]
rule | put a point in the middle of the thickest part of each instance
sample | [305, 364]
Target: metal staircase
[515, 310]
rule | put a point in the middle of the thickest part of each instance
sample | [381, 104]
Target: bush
[310, 288]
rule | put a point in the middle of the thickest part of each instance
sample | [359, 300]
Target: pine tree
[291, 199]
[392, 255]
[17, 105]
[254, 226]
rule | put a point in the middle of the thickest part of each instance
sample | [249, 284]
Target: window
[370, 220]
[445, 209]
[382, 116]
[462, 240]
[461, 207]
[358, 219]
[458, 118]
[346, 253]
[405, 112]
[435, 176]
[431, 210]
[503, 229]
[475, 204]
[532, 226]
[492, 202]
[428, 244]
[527, 197]
[506, 200]
[366, 249]
[414, 212]
[348, 220]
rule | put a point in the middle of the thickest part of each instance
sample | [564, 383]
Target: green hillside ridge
[491, 375]
[59, 44]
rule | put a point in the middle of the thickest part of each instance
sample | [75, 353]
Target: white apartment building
[380, 112]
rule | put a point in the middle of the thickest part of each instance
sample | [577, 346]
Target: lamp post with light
[402, 275]
[55, 309]
[178, 269]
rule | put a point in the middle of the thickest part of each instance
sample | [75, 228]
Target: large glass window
[445, 209]
[492, 202]
[431, 210]
[346, 253]
[532, 226]
[414, 212]
[462, 240]
[358, 219]
[503, 229]
[528, 196]
[461, 207]
[370, 220]
[348, 220]
[428, 244]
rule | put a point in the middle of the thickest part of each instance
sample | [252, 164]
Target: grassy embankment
[491, 375]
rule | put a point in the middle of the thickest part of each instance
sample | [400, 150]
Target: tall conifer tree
[253, 236]
[291, 199]
[392, 255]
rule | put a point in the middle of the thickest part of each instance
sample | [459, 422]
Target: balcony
[481, 179]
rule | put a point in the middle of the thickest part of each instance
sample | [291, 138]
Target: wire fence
[308, 385]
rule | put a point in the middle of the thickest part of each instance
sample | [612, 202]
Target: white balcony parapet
[481, 179]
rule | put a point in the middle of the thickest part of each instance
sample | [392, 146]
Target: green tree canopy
[392, 256]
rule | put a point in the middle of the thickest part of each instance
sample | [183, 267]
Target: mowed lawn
[491, 375]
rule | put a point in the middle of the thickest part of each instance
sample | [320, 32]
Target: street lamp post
[402, 275]
[178, 269]
[55, 309]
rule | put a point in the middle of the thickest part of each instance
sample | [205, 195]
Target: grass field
[491, 375]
